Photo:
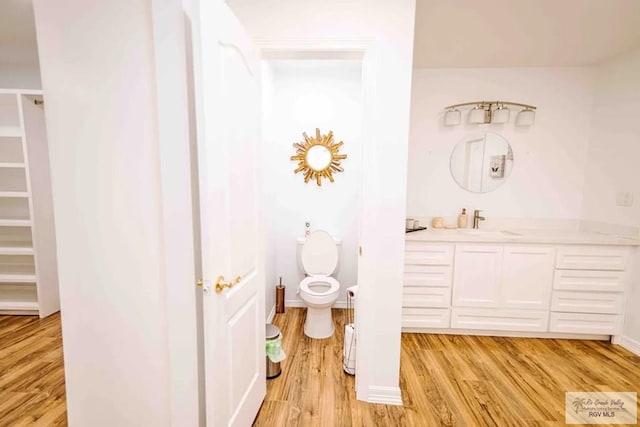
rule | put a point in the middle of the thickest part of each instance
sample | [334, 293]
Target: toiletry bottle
[462, 219]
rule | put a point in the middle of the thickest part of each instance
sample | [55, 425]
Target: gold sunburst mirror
[318, 157]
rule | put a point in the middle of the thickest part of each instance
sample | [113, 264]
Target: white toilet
[318, 257]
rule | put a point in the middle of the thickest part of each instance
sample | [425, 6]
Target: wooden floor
[31, 372]
[445, 380]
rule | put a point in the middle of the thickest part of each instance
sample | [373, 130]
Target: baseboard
[385, 395]
[272, 314]
[630, 344]
[300, 303]
[508, 334]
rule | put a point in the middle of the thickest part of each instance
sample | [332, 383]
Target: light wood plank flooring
[31, 372]
[445, 380]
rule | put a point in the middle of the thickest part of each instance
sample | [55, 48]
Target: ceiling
[17, 32]
[523, 33]
[456, 33]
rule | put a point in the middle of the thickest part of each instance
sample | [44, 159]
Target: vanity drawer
[421, 253]
[499, 319]
[584, 323]
[427, 275]
[589, 280]
[591, 258]
[587, 302]
[426, 296]
[426, 317]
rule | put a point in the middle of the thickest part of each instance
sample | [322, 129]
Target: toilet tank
[300, 242]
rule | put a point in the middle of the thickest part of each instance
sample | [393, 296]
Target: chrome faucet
[477, 218]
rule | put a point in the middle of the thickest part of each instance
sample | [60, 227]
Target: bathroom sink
[482, 233]
[497, 234]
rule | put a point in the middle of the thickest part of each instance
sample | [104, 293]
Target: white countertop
[520, 236]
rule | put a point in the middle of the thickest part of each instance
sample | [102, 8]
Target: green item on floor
[275, 353]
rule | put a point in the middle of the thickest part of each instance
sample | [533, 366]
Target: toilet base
[319, 323]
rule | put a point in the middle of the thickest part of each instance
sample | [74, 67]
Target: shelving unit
[28, 268]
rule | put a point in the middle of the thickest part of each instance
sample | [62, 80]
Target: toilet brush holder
[280, 297]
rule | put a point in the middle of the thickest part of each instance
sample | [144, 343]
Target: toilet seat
[334, 285]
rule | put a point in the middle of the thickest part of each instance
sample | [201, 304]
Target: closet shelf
[17, 278]
[19, 305]
[10, 131]
[26, 212]
[12, 165]
[15, 223]
[16, 250]
[14, 194]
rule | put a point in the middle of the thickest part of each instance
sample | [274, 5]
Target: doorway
[299, 96]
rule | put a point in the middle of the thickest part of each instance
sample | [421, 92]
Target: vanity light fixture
[526, 117]
[490, 112]
[500, 114]
[479, 114]
[452, 117]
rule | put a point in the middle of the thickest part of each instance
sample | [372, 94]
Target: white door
[228, 111]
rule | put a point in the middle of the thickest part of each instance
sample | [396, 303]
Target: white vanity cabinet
[539, 289]
[427, 285]
[588, 290]
[502, 287]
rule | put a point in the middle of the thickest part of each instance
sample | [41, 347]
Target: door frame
[386, 84]
[332, 49]
[175, 171]
[187, 378]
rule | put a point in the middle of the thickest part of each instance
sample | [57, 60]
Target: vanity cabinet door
[527, 277]
[476, 276]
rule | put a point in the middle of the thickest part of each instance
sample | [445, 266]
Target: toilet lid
[319, 254]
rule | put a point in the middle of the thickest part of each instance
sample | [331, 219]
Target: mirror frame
[302, 151]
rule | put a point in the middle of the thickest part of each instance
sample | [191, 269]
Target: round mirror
[481, 162]
[318, 157]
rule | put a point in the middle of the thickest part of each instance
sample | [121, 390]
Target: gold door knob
[221, 284]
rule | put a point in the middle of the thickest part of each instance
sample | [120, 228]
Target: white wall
[549, 157]
[614, 152]
[122, 208]
[20, 76]
[305, 95]
[614, 147]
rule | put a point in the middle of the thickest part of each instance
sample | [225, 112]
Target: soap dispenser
[462, 219]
